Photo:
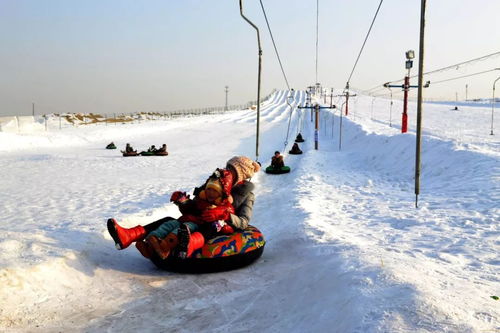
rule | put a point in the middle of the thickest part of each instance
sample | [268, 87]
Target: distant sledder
[299, 138]
[111, 146]
[162, 151]
[129, 151]
[150, 152]
[277, 165]
[295, 149]
[153, 151]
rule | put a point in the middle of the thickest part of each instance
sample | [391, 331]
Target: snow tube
[160, 153]
[147, 153]
[125, 154]
[221, 253]
[274, 171]
[299, 138]
[295, 152]
[110, 147]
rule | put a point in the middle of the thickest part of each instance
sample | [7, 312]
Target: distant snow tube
[299, 138]
[221, 253]
[110, 147]
[159, 153]
[295, 152]
[147, 153]
[125, 154]
[277, 171]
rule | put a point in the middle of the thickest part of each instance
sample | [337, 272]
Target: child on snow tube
[212, 204]
[162, 150]
[277, 160]
[295, 149]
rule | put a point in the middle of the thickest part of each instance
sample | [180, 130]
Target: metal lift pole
[390, 110]
[419, 101]
[288, 100]
[258, 80]
[346, 99]
[340, 128]
[316, 126]
[317, 109]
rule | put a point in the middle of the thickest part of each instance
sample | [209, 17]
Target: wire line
[366, 38]
[462, 63]
[461, 77]
[453, 66]
[274, 44]
[317, 32]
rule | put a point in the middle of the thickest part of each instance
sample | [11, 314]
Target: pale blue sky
[122, 56]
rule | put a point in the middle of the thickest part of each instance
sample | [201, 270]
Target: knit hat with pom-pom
[244, 167]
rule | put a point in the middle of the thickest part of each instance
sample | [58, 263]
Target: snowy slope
[346, 249]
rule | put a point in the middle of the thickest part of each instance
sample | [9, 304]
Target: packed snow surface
[347, 251]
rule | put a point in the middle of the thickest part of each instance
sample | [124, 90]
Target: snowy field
[347, 251]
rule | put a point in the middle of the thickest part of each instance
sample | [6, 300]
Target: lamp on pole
[410, 54]
[493, 104]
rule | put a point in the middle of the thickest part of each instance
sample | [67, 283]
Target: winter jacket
[192, 209]
[243, 204]
[295, 149]
[277, 162]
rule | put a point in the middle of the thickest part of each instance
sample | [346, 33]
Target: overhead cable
[461, 77]
[462, 63]
[366, 38]
[317, 34]
[274, 44]
[454, 66]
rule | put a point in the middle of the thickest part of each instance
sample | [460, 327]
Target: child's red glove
[179, 197]
[227, 229]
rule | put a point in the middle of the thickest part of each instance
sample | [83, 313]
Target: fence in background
[59, 121]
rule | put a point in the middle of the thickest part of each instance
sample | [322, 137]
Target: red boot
[189, 242]
[162, 247]
[195, 242]
[124, 237]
